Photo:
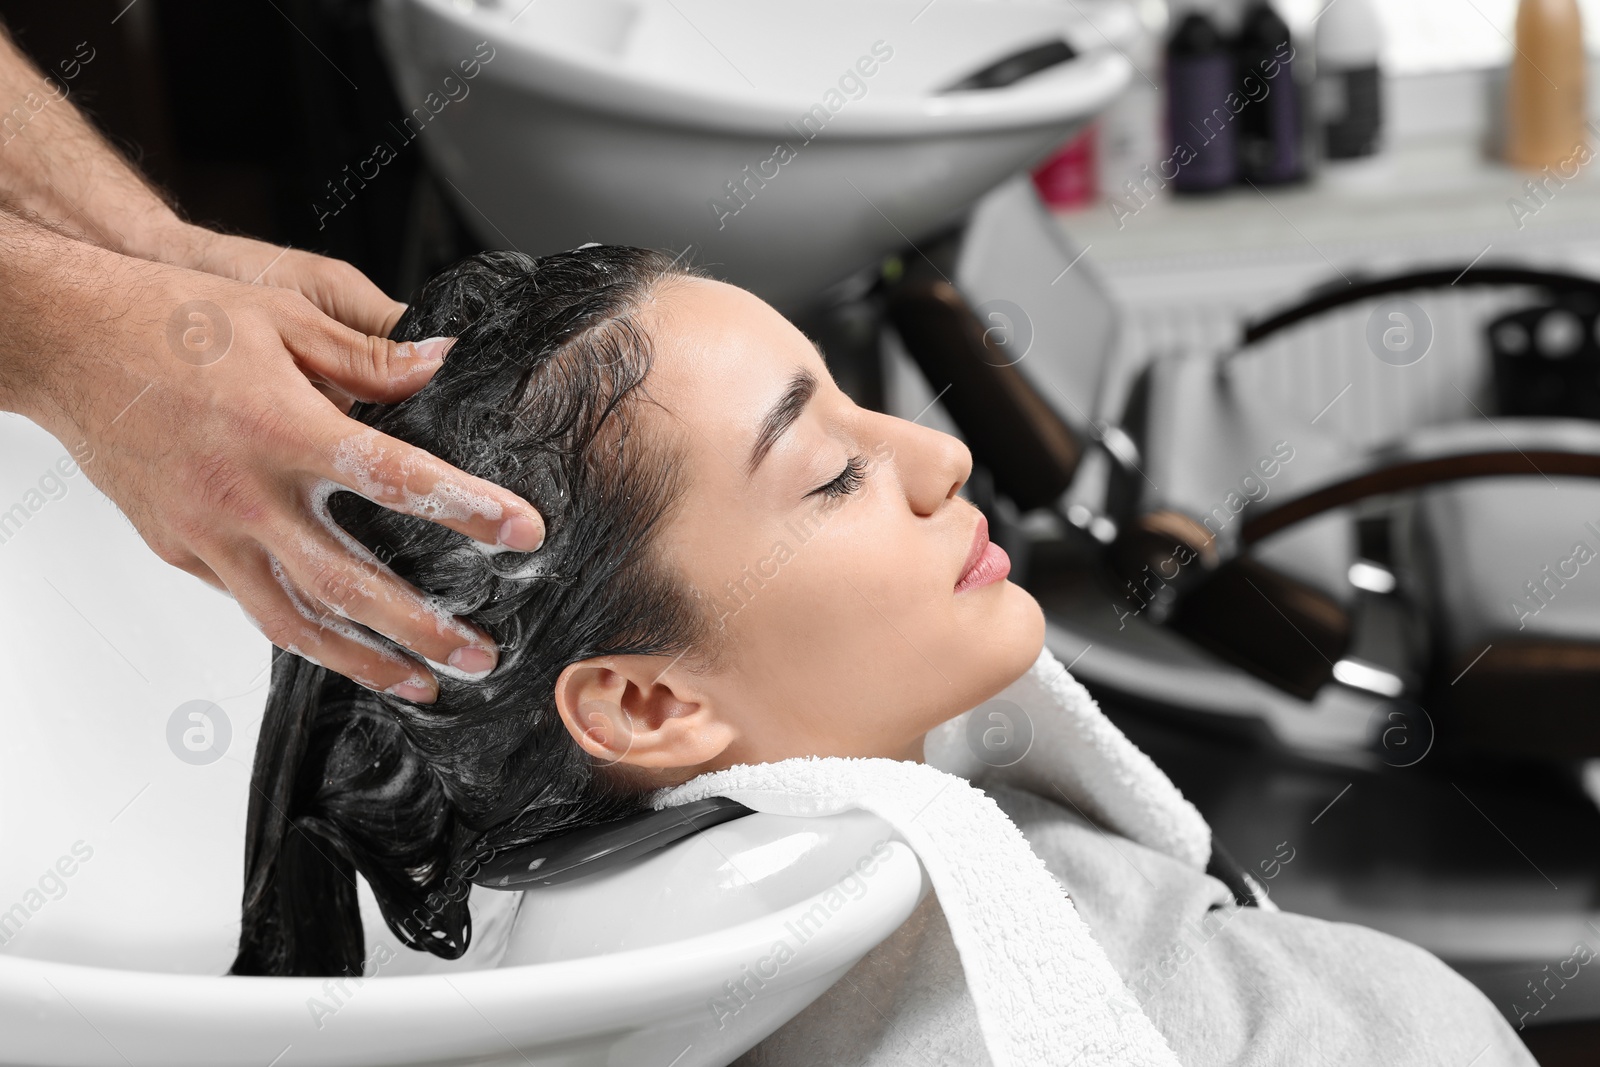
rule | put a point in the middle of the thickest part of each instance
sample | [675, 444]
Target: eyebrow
[802, 387]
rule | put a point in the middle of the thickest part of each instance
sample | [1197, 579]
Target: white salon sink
[625, 121]
[126, 859]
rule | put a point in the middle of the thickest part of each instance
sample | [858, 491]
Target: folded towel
[1044, 990]
[1078, 755]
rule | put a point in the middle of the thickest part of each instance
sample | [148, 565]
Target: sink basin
[121, 859]
[750, 135]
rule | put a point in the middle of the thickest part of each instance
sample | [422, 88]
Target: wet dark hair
[536, 395]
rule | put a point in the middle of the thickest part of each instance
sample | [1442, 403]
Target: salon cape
[1044, 989]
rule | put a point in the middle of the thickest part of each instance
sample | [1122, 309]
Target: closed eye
[848, 481]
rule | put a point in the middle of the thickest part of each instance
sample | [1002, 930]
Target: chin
[1007, 637]
[1028, 620]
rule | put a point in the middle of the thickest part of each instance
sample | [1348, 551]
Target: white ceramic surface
[623, 120]
[118, 962]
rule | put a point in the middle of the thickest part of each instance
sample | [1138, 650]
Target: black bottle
[1203, 131]
[1271, 124]
[1349, 89]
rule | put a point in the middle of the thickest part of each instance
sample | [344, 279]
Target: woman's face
[828, 539]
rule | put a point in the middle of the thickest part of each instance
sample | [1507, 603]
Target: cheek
[844, 630]
[825, 586]
[859, 622]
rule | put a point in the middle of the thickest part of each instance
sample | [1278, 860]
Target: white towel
[1079, 755]
[1045, 992]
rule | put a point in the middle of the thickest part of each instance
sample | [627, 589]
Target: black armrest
[1543, 447]
[1281, 630]
[1327, 299]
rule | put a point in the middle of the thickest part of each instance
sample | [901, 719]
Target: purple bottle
[1203, 131]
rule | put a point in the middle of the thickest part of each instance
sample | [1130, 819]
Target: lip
[986, 561]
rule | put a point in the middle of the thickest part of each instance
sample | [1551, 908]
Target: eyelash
[848, 481]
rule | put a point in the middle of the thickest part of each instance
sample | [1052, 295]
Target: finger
[343, 293]
[368, 310]
[365, 366]
[411, 481]
[287, 618]
[336, 573]
[386, 328]
[196, 566]
[207, 575]
[336, 396]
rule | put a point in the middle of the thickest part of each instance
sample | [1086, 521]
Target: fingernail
[421, 694]
[471, 660]
[431, 350]
[522, 533]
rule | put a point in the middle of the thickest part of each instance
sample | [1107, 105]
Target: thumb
[364, 307]
[339, 289]
[366, 367]
[346, 295]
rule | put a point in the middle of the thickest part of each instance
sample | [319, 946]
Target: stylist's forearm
[39, 269]
[58, 166]
[59, 172]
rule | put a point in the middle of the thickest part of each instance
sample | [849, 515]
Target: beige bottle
[1545, 92]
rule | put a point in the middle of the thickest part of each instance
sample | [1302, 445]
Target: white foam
[303, 654]
[536, 565]
[331, 622]
[457, 673]
[418, 680]
[445, 623]
[356, 457]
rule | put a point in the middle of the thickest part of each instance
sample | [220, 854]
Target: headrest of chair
[564, 857]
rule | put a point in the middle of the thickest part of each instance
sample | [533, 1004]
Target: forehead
[722, 357]
[703, 326]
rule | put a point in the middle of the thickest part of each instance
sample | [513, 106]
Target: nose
[932, 465]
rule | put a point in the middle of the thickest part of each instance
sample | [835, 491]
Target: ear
[623, 709]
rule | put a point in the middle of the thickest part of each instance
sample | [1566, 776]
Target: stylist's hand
[193, 401]
[338, 289]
